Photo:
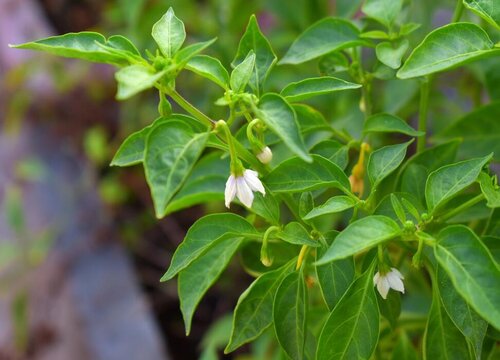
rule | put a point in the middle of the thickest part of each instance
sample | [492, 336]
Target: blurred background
[81, 253]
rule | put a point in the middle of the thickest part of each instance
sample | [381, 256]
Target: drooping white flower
[391, 280]
[243, 187]
[265, 156]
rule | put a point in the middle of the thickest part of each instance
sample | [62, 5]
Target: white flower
[265, 156]
[391, 280]
[243, 187]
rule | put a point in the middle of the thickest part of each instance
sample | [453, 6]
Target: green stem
[422, 114]
[461, 208]
[186, 105]
[457, 14]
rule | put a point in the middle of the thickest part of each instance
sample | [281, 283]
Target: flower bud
[265, 156]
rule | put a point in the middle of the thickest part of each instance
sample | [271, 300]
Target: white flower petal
[397, 273]
[383, 287]
[395, 282]
[244, 192]
[230, 191]
[375, 278]
[253, 181]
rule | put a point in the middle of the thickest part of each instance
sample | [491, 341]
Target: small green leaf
[333, 63]
[384, 161]
[199, 276]
[487, 9]
[134, 79]
[351, 331]
[375, 34]
[361, 235]
[332, 205]
[254, 311]
[289, 314]
[296, 175]
[242, 73]
[391, 54]
[398, 208]
[447, 47]
[169, 33]
[280, 117]
[253, 39]
[203, 234]
[448, 180]
[490, 190]
[187, 53]
[321, 38]
[408, 28]
[172, 149]
[210, 68]
[384, 11]
[333, 151]
[294, 233]
[472, 270]
[389, 123]
[308, 88]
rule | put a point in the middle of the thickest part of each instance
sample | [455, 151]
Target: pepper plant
[363, 245]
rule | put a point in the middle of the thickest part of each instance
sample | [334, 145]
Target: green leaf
[172, 149]
[384, 161]
[169, 33]
[85, 45]
[332, 205]
[199, 276]
[254, 311]
[398, 208]
[360, 235]
[296, 175]
[134, 79]
[351, 331]
[321, 38]
[404, 349]
[310, 120]
[389, 123]
[187, 53]
[294, 233]
[391, 54]
[472, 326]
[375, 34]
[210, 68]
[253, 39]
[413, 181]
[445, 182]
[279, 116]
[266, 207]
[447, 47]
[442, 339]
[333, 63]
[203, 234]
[479, 131]
[384, 11]
[242, 73]
[335, 277]
[289, 314]
[390, 308]
[472, 270]
[333, 151]
[307, 88]
[490, 190]
[487, 9]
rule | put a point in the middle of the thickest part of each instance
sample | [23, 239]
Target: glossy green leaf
[479, 131]
[391, 54]
[309, 119]
[412, 208]
[472, 270]
[442, 340]
[296, 175]
[134, 79]
[188, 52]
[351, 331]
[169, 33]
[86, 45]
[253, 39]
[333, 63]
[361, 235]
[333, 151]
[375, 34]
[389, 123]
[242, 73]
[487, 9]
[413, 181]
[279, 116]
[289, 314]
[210, 68]
[447, 47]
[384, 161]
[321, 38]
[267, 207]
[445, 182]
[335, 277]
[384, 11]
[172, 149]
[490, 190]
[203, 234]
[294, 233]
[398, 208]
[307, 88]
[332, 205]
[472, 326]
[254, 311]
